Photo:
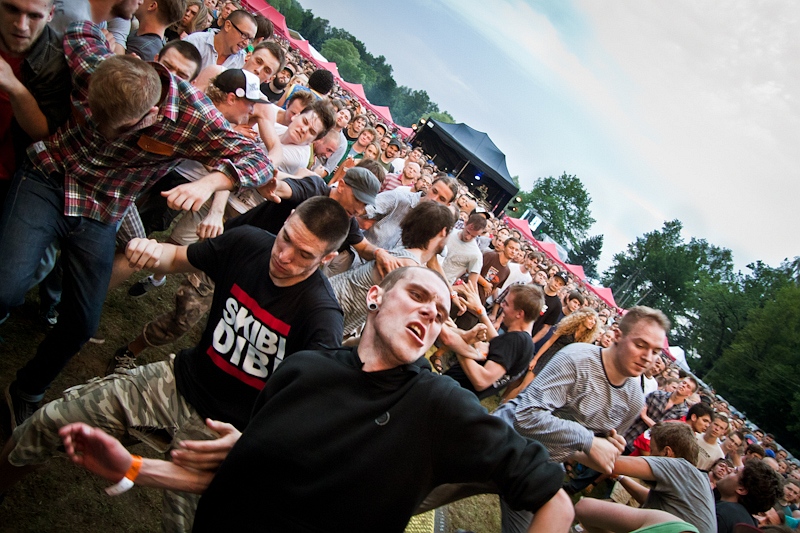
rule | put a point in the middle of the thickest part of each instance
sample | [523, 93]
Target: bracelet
[481, 311]
[127, 480]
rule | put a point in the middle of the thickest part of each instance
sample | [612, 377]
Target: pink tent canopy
[278, 20]
[604, 293]
[576, 270]
[355, 88]
[384, 112]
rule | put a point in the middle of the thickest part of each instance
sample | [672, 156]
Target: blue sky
[664, 109]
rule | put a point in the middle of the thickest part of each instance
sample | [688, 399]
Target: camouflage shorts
[192, 300]
[144, 404]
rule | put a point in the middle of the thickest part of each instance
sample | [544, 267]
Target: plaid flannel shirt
[657, 410]
[102, 177]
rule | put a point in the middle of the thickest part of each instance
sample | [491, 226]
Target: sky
[664, 109]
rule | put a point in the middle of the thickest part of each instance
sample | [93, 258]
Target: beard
[279, 85]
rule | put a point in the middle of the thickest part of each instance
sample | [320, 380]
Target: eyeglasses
[245, 37]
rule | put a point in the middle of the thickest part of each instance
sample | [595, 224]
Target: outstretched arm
[161, 258]
[103, 455]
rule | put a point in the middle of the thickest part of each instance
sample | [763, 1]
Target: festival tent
[472, 157]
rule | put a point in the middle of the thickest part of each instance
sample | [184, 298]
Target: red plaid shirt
[102, 177]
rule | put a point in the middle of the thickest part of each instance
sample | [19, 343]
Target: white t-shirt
[462, 257]
[708, 453]
[295, 157]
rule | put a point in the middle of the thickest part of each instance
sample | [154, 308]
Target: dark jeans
[33, 218]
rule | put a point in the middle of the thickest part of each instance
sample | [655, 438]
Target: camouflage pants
[144, 405]
[192, 301]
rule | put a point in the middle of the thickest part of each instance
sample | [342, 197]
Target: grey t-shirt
[683, 490]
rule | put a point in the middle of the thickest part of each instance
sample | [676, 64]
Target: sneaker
[19, 410]
[50, 317]
[97, 339]
[123, 360]
[143, 286]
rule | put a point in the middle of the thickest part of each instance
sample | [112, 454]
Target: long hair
[573, 325]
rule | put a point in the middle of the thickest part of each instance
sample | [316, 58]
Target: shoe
[19, 410]
[123, 360]
[50, 317]
[143, 286]
[97, 339]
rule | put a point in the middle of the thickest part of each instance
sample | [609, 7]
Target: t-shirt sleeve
[502, 349]
[668, 473]
[355, 235]
[305, 188]
[212, 255]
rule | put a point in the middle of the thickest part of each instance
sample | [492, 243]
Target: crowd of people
[359, 304]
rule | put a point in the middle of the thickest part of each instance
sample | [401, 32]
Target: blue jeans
[33, 218]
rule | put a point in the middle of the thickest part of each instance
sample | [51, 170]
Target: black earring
[372, 306]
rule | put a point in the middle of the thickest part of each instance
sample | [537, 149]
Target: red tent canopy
[384, 112]
[604, 293]
[576, 270]
[278, 20]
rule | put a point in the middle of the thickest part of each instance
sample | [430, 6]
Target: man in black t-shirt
[552, 306]
[270, 302]
[508, 355]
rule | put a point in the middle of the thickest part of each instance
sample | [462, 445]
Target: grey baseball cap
[364, 184]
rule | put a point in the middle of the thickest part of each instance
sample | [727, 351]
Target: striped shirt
[571, 401]
[102, 176]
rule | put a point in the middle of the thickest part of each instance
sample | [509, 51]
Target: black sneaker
[50, 317]
[143, 286]
[19, 410]
[123, 360]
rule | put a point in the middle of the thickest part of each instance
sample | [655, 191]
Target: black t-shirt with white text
[252, 325]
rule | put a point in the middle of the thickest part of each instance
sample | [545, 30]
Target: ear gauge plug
[372, 306]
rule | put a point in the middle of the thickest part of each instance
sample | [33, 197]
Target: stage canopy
[472, 157]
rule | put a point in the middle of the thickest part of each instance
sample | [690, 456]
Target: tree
[409, 105]
[722, 309]
[346, 57]
[441, 116]
[587, 254]
[660, 270]
[564, 205]
[759, 372]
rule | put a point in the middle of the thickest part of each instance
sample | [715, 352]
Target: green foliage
[357, 65]
[346, 57]
[586, 254]
[441, 116]
[721, 309]
[759, 372]
[564, 204]
[660, 270]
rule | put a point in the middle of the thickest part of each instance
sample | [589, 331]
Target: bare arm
[647, 420]
[23, 104]
[546, 346]
[212, 225]
[635, 489]
[555, 516]
[161, 258]
[103, 455]
[191, 196]
[541, 333]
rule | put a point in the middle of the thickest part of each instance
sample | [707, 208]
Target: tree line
[740, 330]
[357, 65]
